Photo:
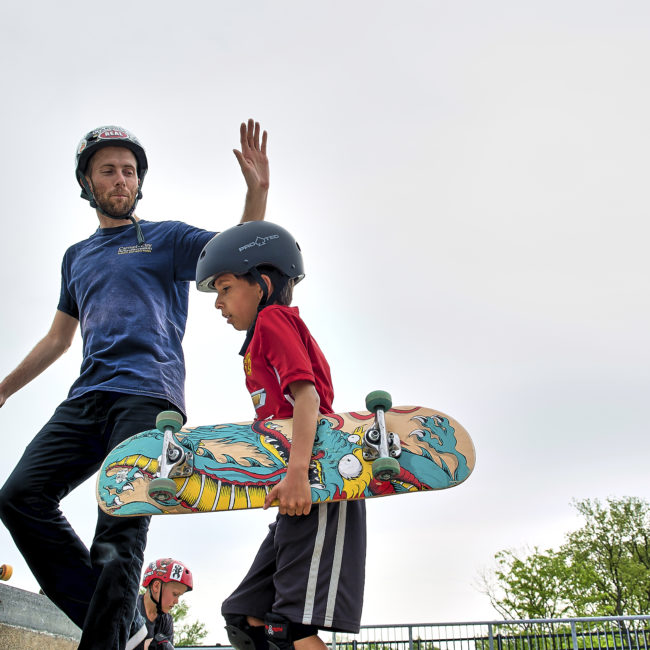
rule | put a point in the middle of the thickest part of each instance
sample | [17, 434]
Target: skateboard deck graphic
[234, 466]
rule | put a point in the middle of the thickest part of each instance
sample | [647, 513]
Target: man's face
[112, 174]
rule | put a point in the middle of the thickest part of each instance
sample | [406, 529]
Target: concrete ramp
[29, 621]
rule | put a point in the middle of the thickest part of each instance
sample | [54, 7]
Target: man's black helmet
[245, 247]
[107, 136]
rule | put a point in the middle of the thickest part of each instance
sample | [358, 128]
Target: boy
[309, 571]
[165, 581]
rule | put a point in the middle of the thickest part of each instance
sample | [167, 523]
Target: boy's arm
[255, 167]
[294, 492]
[45, 353]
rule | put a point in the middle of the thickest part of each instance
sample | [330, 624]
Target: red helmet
[168, 570]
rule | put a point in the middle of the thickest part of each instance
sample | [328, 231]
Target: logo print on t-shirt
[140, 248]
[259, 398]
[247, 364]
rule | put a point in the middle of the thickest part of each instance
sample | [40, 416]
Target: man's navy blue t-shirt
[131, 302]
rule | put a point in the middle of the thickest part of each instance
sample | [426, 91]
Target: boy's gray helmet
[245, 247]
[107, 136]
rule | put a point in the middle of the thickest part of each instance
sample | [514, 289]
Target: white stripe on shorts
[315, 564]
[336, 564]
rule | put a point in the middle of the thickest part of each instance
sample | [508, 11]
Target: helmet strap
[257, 276]
[249, 336]
[265, 301]
[157, 602]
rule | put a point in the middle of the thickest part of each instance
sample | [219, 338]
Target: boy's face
[238, 300]
[170, 592]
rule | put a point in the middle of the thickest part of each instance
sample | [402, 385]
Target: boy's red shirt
[281, 351]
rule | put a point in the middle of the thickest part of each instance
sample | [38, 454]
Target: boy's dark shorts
[309, 569]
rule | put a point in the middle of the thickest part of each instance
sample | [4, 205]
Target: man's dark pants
[96, 588]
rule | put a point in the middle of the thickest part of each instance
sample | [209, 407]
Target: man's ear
[269, 284]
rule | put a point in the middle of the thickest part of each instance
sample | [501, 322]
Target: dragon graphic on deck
[236, 465]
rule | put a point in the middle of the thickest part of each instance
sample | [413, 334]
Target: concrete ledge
[29, 620]
[19, 638]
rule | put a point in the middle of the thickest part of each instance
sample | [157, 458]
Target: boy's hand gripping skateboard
[359, 455]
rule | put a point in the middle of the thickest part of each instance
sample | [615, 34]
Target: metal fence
[607, 633]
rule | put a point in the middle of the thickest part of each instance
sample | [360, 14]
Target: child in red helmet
[165, 581]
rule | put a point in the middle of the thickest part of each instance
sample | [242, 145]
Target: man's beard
[119, 211]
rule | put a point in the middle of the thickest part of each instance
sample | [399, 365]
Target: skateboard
[6, 571]
[382, 451]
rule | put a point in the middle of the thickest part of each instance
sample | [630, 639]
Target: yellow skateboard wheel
[6, 571]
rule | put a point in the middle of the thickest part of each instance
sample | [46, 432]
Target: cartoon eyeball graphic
[354, 438]
[350, 466]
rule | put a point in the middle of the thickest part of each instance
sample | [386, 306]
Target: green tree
[609, 557]
[528, 586]
[602, 569]
[187, 634]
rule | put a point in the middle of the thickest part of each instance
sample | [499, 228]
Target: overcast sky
[469, 185]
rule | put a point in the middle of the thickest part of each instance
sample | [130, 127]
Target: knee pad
[242, 635]
[301, 631]
[278, 632]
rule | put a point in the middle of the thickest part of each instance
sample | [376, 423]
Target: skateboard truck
[174, 460]
[380, 446]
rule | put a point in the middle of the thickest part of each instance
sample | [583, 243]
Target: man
[126, 287]
[165, 581]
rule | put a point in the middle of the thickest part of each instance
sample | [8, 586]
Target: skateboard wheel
[162, 489]
[378, 399]
[169, 419]
[385, 469]
[6, 571]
